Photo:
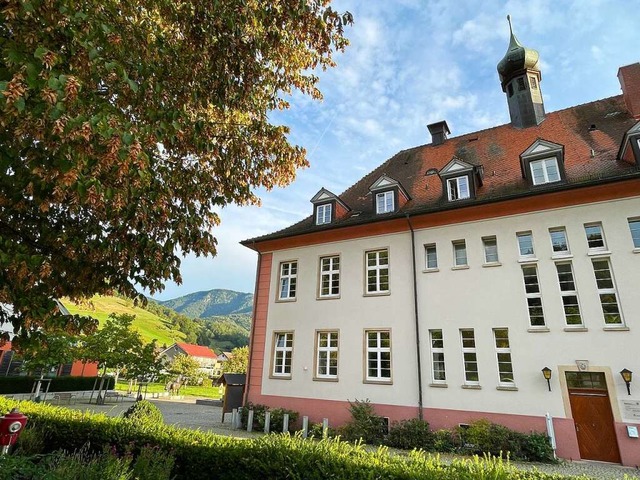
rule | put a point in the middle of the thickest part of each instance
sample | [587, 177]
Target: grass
[188, 391]
[148, 324]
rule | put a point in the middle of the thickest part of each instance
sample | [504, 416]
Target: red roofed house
[441, 284]
[204, 355]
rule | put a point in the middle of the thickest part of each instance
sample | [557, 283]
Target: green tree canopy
[239, 361]
[186, 367]
[124, 124]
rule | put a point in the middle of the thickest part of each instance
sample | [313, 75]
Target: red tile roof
[197, 350]
[589, 157]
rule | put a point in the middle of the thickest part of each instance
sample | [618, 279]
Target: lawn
[188, 391]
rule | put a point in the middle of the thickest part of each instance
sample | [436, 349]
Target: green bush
[9, 385]
[144, 411]
[365, 425]
[443, 441]
[315, 431]
[410, 434]
[276, 423]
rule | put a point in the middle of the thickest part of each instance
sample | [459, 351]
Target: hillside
[148, 324]
[211, 303]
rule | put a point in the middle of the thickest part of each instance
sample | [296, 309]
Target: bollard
[267, 421]
[325, 428]
[250, 421]
[234, 418]
[285, 423]
[305, 427]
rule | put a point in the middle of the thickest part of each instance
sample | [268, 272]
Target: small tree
[238, 362]
[185, 367]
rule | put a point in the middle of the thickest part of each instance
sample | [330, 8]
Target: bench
[63, 397]
[113, 395]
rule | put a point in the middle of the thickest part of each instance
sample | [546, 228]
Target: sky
[411, 63]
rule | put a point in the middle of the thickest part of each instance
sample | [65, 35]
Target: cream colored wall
[484, 298]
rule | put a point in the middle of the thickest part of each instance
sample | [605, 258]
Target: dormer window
[384, 202]
[460, 179]
[323, 214]
[458, 188]
[543, 163]
[630, 148]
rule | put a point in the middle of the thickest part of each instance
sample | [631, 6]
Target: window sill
[616, 328]
[378, 382]
[280, 377]
[636, 250]
[328, 297]
[439, 385]
[321, 379]
[579, 328]
[286, 300]
[599, 253]
[492, 264]
[376, 294]
[561, 256]
[471, 387]
[538, 329]
[527, 260]
[460, 267]
[505, 388]
[430, 270]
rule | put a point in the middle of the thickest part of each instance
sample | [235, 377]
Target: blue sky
[411, 63]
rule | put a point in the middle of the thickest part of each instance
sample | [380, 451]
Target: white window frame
[385, 202]
[288, 280]
[330, 276]
[430, 256]
[379, 355]
[460, 246]
[438, 366]
[545, 163]
[634, 229]
[556, 231]
[525, 235]
[533, 295]
[327, 354]
[567, 293]
[606, 289]
[323, 214]
[282, 355]
[592, 244]
[490, 247]
[469, 356]
[380, 270]
[458, 188]
[503, 357]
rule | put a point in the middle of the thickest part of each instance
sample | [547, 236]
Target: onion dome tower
[520, 79]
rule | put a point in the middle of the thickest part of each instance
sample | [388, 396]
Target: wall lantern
[546, 372]
[626, 376]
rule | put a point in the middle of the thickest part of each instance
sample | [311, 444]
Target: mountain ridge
[211, 303]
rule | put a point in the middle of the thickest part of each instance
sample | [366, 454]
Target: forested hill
[211, 303]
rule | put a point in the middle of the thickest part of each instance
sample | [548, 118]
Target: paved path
[187, 414]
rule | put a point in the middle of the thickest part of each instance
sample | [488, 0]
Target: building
[441, 284]
[208, 360]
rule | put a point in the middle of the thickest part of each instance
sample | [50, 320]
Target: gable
[323, 195]
[456, 165]
[541, 146]
[383, 183]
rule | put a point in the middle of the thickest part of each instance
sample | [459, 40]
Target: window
[634, 226]
[458, 188]
[607, 292]
[521, 85]
[533, 82]
[378, 271]
[323, 214]
[282, 354]
[437, 356]
[378, 356]
[545, 171]
[469, 357]
[490, 245]
[595, 237]
[431, 256]
[288, 277]
[569, 294]
[525, 244]
[459, 253]
[533, 295]
[559, 242]
[510, 89]
[330, 276]
[327, 355]
[503, 354]
[384, 202]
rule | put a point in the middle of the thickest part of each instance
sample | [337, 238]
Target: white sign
[632, 431]
[630, 409]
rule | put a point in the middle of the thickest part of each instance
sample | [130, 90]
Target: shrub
[277, 417]
[9, 385]
[410, 434]
[365, 425]
[315, 431]
[537, 448]
[444, 441]
[145, 412]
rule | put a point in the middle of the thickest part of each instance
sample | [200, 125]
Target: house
[207, 358]
[489, 275]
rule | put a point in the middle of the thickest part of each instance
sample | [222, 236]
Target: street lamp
[546, 372]
[626, 376]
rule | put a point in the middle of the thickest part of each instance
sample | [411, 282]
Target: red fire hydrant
[11, 426]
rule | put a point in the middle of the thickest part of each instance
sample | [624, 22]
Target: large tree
[124, 124]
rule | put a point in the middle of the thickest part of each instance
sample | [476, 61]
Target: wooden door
[595, 429]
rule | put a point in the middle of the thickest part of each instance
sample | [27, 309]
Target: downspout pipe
[253, 325]
[417, 320]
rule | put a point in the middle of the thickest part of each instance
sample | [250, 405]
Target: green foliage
[365, 425]
[216, 303]
[186, 367]
[276, 423]
[52, 350]
[182, 323]
[315, 431]
[239, 361]
[203, 455]
[9, 385]
[223, 335]
[443, 441]
[410, 434]
[144, 411]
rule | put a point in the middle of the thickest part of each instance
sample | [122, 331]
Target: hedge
[203, 455]
[9, 385]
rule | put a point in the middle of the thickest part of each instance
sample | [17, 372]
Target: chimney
[438, 131]
[629, 77]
